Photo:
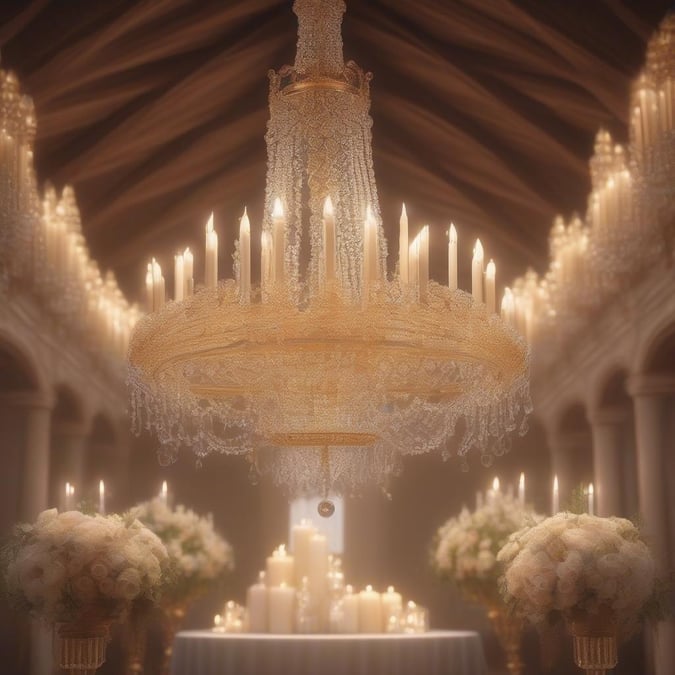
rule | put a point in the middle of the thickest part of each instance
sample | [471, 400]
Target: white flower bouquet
[70, 567]
[580, 566]
[466, 546]
[199, 556]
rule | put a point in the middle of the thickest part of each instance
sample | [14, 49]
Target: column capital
[27, 399]
[651, 384]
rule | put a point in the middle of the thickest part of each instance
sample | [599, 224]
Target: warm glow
[245, 224]
[521, 482]
[478, 252]
[495, 484]
[278, 210]
[165, 490]
[491, 270]
[452, 233]
[209, 223]
[101, 488]
[328, 207]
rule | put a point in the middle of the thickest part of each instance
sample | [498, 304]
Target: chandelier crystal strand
[329, 372]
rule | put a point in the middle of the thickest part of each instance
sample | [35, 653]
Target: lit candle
[164, 492]
[211, 259]
[280, 567]
[281, 609]
[278, 241]
[493, 492]
[265, 259]
[245, 259]
[555, 505]
[350, 611]
[591, 500]
[403, 246]
[188, 273]
[508, 308]
[149, 290]
[178, 277]
[370, 611]
[392, 606]
[329, 239]
[66, 503]
[217, 623]
[256, 604]
[413, 262]
[490, 273]
[101, 497]
[477, 272]
[423, 262]
[521, 489]
[300, 538]
[158, 293]
[452, 258]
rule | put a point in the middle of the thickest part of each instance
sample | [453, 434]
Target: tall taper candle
[178, 277]
[591, 500]
[490, 273]
[149, 290]
[188, 273]
[555, 502]
[403, 246]
[101, 497]
[211, 260]
[452, 258]
[477, 272]
[329, 240]
[245, 259]
[278, 241]
[521, 489]
[423, 252]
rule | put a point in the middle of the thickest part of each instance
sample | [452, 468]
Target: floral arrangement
[69, 567]
[199, 555]
[579, 565]
[466, 546]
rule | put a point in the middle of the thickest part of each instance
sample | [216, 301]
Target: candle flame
[452, 233]
[245, 224]
[404, 214]
[369, 588]
[495, 484]
[101, 488]
[590, 489]
[390, 589]
[555, 483]
[478, 253]
[217, 619]
[328, 207]
[521, 482]
[165, 489]
[209, 223]
[278, 211]
[491, 270]
[67, 489]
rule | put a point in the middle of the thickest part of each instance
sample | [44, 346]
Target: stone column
[607, 428]
[652, 395]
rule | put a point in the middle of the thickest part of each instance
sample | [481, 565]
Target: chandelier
[329, 371]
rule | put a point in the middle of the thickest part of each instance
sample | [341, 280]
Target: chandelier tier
[329, 372]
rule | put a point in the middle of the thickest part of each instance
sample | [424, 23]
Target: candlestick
[280, 567]
[188, 273]
[281, 609]
[256, 604]
[521, 489]
[490, 273]
[101, 497]
[477, 272]
[164, 492]
[329, 240]
[278, 241]
[245, 259]
[452, 258]
[178, 277]
[591, 500]
[370, 611]
[555, 504]
[211, 258]
[403, 246]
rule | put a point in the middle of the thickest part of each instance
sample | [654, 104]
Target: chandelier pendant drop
[327, 372]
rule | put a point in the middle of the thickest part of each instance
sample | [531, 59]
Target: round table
[433, 653]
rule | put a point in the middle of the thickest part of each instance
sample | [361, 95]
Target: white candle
[392, 605]
[265, 260]
[245, 259]
[329, 240]
[521, 489]
[66, 501]
[403, 246]
[211, 259]
[178, 278]
[350, 611]
[452, 258]
[164, 492]
[477, 272]
[370, 611]
[413, 263]
[555, 505]
[149, 291]
[101, 497]
[300, 538]
[158, 294]
[256, 604]
[591, 500]
[281, 609]
[280, 568]
[318, 563]
[423, 263]
[278, 241]
[490, 273]
[508, 308]
[188, 273]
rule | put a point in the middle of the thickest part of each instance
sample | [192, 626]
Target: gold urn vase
[595, 641]
[509, 631]
[80, 648]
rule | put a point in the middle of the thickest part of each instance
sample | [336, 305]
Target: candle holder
[174, 614]
[595, 642]
[509, 631]
[80, 647]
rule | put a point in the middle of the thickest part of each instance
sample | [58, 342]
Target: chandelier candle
[490, 273]
[452, 257]
[329, 239]
[101, 497]
[423, 263]
[477, 272]
[211, 258]
[403, 247]
[178, 277]
[245, 259]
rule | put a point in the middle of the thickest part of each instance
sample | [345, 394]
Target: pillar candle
[280, 609]
[452, 258]
[188, 273]
[423, 263]
[350, 611]
[178, 278]
[256, 604]
[508, 309]
[403, 246]
[555, 502]
[278, 241]
[392, 605]
[245, 259]
[370, 611]
[490, 274]
[318, 563]
[211, 259]
[300, 537]
[477, 272]
[280, 568]
[329, 240]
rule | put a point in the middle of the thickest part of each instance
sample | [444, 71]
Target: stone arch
[659, 355]
[611, 390]
[19, 371]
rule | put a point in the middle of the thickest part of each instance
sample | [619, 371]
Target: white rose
[128, 584]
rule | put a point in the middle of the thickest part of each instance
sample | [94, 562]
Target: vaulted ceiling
[484, 112]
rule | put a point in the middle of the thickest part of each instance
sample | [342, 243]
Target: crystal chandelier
[329, 372]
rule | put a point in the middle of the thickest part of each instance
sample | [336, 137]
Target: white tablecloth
[433, 653]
